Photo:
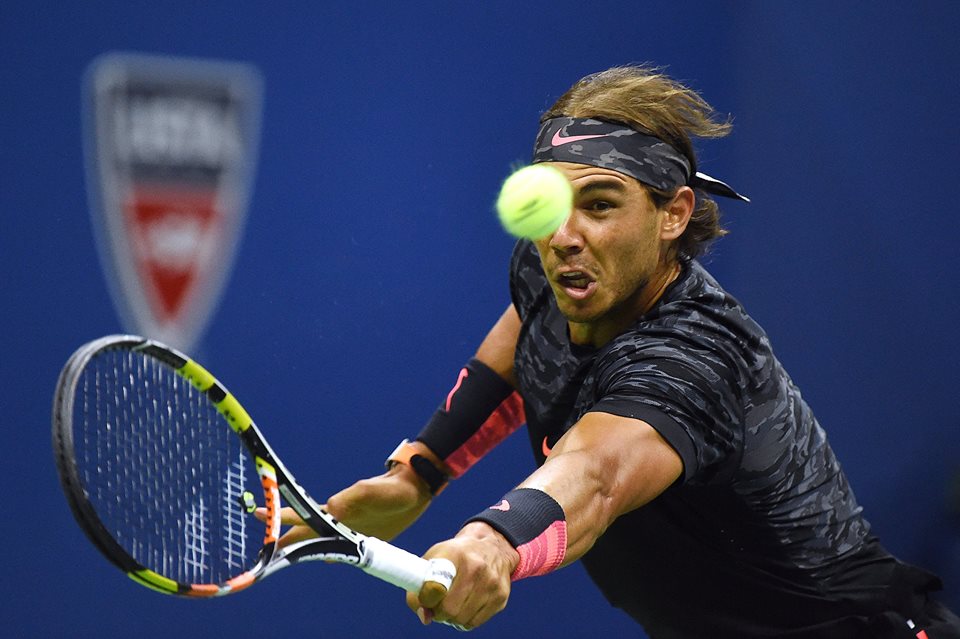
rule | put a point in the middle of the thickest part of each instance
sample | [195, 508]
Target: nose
[567, 239]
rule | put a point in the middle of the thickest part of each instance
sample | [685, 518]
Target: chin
[577, 314]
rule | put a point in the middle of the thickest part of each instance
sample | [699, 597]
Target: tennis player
[675, 457]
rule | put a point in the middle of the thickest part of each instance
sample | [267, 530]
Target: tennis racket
[163, 468]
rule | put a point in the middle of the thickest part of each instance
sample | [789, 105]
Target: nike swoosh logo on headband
[559, 139]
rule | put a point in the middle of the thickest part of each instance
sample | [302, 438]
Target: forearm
[500, 344]
[602, 468]
[585, 495]
[482, 408]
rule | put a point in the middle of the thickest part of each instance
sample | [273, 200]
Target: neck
[658, 284]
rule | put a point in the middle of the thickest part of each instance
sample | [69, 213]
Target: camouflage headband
[621, 148]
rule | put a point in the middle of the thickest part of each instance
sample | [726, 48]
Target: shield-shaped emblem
[171, 149]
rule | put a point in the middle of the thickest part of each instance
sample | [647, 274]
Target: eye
[599, 206]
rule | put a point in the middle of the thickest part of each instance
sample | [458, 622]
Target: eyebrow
[603, 185]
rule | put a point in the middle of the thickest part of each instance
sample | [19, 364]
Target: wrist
[534, 524]
[409, 476]
[484, 532]
[419, 464]
[424, 451]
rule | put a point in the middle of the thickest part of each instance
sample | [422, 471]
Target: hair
[643, 97]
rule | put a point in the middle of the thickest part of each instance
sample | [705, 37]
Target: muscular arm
[603, 467]
[498, 347]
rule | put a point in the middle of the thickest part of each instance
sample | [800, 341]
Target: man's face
[601, 259]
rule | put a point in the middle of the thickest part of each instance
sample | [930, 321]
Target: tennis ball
[534, 201]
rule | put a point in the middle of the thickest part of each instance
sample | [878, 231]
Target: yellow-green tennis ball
[248, 502]
[534, 201]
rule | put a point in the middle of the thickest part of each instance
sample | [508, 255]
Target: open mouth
[576, 284]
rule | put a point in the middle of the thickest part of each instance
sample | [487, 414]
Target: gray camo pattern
[625, 150]
[698, 365]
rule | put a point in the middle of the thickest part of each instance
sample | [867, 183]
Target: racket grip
[404, 569]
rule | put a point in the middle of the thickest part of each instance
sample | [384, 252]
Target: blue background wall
[371, 265]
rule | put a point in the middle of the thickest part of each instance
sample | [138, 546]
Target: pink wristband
[534, 523]
[542, 554]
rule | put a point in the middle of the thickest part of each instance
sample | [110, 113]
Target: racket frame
[336, 542]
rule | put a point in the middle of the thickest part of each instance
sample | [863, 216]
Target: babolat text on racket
[163, 469]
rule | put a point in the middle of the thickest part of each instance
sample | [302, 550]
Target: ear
[677, 214]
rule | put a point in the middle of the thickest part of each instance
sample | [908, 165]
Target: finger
[297, 533]
[432, 594]
[483, 615]
[439, 597]
[439, 579]
[425, 615]
[474, 608]
[288, 516]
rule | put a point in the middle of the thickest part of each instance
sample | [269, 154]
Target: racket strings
[164, 471]
[235, 535]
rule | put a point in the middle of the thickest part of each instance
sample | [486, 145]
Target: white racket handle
[404, 569]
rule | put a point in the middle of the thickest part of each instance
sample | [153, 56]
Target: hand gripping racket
[161, 465]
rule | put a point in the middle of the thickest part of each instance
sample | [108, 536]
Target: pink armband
[479, 412]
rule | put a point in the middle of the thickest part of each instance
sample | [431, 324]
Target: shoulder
[681, 351]
[527, 280]
[702, 319]
[682, 386]
[689, 324]
[525, 257]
